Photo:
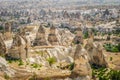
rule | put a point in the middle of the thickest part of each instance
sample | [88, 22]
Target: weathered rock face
[65, 14]
[1, 78]
[100, 57]
[65, 37]
[91, 35]
[11, 72]
[22, 31]
[96, 53]
[40, 37]
[28, 44]
[82, 67]
[4, 68]
[3, 48]
[80, 51]
[52, 37]
[7, 31]
[60, 54]
[19, 48]
[79, 37]
[108, 38]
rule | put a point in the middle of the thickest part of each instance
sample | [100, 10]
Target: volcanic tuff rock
[43, 36]
[3, 48]
[2, 78]
[52, 37]
[82, 66]
[96, 54]
[40, 37]
[79, 36]
[42, 53]
[19, 48]
[7, 31]
[4, 67]
[65, 37]
[91, 35]
[59, 53]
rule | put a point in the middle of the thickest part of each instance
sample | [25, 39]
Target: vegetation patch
[35, 65]
[51, 60]
[1, 27]
[112, 48]
[71, 66]
[103, 73]
[19, 61]
[40, 52]
[86, 35]
[7, 77]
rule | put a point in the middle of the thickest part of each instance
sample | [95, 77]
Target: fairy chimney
[91, 35]
[3, 48]
[52, 37]
[18, 48]
[81, 63]
[40, 37]
[96, 54]
[79, 36]
[7, 31]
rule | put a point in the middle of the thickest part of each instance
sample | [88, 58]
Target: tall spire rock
[40, 37]
[7, 31]
[81, 63]
[3, 48]
[18, 48]
[96, 54]
[91, 35]
[79, 36]
[52, 37]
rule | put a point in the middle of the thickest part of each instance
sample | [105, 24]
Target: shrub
[118, 46]
[71, 66]
[35, 65]
[1, 27]
[115, 75]
[47, 79]
[40, 52]
[51, 60]
[86, 35]
[112, 48]
[6, 77]
[106, 74]
[111, 58]
[13, 60]
[21, 63]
